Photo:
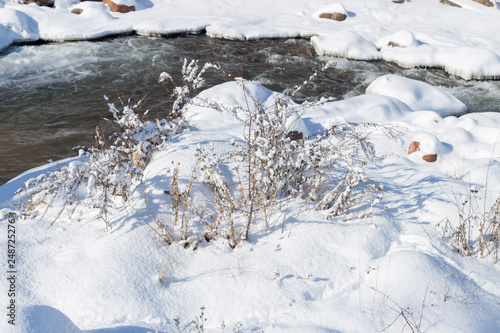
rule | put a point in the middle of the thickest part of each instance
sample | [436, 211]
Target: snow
[392, 271]
[417, 95]
[295, 275]
[346, 44]
[427, 33]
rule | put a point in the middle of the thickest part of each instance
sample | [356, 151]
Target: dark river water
[51, 95]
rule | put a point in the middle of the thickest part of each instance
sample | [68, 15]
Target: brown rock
[450, 3]
[48, 3]
[295, 135]
[77, 11]
[118, 8]
[333, 16]
[398, 1]
[392, 44]
[414, 146]
[487, 3]
[430, 157]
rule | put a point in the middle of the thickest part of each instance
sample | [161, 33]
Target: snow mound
[402, 38]
[46, 319]
[417, 95]
[346, 44]
[364, 108]
[16, 26]
[232, 101]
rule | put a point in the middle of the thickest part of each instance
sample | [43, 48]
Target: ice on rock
[417, 95]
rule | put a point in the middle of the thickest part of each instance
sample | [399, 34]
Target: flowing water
[51, 95]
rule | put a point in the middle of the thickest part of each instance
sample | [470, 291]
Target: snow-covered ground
[298, 271]
[464, 41]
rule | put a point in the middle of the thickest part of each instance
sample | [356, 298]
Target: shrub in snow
[272, 164]
[476, 230]
[107, 173]
[192, 81]
[271, 168]
[103, 174]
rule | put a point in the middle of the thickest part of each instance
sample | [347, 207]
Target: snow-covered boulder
[402, 38]
[417, 95]
[336, 12]
[346, 44]
[120, 6]
[427, 146]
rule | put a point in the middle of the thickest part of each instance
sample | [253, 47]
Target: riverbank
[411, 34]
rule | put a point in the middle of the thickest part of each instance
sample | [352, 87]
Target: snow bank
[16, 26]
[412, 34]
[303, 273]
[417, 95]
[346, 44]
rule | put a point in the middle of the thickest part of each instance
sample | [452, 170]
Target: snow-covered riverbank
[428, 33]
[301, 272]
[92, 250]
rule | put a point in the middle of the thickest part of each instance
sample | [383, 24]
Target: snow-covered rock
[346, 44]
[120, 6]
[402, 38]
[427, 146]
[336, 12]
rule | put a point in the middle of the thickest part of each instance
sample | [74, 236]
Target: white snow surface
[417, 95]
[303, 273]
[460, 40]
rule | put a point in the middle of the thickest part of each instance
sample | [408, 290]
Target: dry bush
[276, 164]
[476, 230]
